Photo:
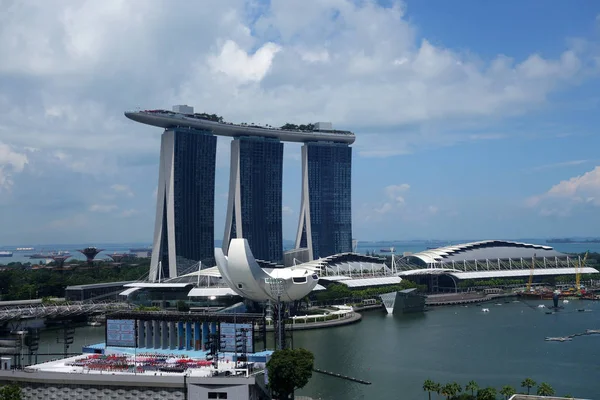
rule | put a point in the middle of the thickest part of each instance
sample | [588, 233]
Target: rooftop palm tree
[473, 387]
[545, 390]
[507, 391]
[528, 383]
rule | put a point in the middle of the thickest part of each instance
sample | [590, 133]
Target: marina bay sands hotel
[184, 225]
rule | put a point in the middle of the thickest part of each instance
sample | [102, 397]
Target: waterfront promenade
[454, 299]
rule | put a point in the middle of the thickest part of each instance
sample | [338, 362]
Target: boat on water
[6, 254]
[51, 254]
[24, 248]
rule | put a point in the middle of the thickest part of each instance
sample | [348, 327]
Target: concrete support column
[164, 332]
[205, 332]
[141, 339]
[149, 334]
[180, 336]
[197, 343]
[157, 334]
[188, 336]
[172, 335]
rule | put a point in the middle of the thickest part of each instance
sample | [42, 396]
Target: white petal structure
[243, 275]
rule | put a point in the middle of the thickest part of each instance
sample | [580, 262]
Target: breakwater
[568, 338]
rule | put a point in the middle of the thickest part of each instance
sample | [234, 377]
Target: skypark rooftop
[170, 119]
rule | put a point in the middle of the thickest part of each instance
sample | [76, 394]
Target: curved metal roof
[486, 250]
[167, 119]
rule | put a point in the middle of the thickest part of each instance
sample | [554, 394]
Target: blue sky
[474, 119]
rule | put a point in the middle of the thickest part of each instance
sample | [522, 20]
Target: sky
[473, 119]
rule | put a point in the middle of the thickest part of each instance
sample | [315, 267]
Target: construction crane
[578, 269]
[531, 273]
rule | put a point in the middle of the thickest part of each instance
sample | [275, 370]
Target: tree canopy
[11, 392]
[289, 370]
[20, 282]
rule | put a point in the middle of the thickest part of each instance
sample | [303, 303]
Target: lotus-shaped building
[244, 276]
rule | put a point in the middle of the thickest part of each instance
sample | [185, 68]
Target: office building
[184, 225]
[325, 226]
[254, 206]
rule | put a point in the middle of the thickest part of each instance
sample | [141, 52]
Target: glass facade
[261, 175]
[330, 198]
[194, 154]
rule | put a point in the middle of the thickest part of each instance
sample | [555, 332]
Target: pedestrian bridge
[58, 311]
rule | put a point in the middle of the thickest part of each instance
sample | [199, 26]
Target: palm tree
[528, 383]
[545, 390]
[507, 391]
[473, 387]
[430, 386]
[489, 393]
[450, 390]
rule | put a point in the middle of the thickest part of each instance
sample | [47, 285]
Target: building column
[149, 334]
[172, 336]
[233, 218]
[164, 196]
[157, 334]
[141, 339]
[180, 336]
[304, 223]
[164, 332]
[188, 336]
[205, 333]
[197, 343]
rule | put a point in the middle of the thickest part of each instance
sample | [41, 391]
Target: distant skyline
[473, 119]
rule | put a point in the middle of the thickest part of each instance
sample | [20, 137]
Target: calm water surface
[446, 344]
[457, 344]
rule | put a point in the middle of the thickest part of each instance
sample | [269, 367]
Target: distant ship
[51, 254]
[6, 254]
[140, 249]
[566, 240]
[24, 248]
[385, 250]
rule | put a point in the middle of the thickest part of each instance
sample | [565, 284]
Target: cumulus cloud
[11, 161]
[287, 210]
[563, 197]
[237, 64]
[360, 65]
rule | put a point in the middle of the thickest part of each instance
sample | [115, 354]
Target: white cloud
[103, 208]
[11, 161]
[394, 191]
[237, 64]
[560, 164]
[122, 189]
[563, 197]
[359, 65]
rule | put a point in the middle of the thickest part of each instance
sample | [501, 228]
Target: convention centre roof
[486, 250]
